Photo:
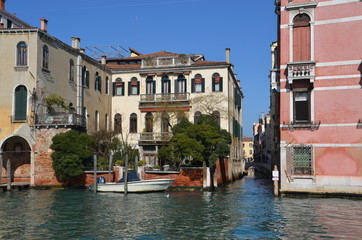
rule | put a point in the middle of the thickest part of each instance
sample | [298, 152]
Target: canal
[245, 209]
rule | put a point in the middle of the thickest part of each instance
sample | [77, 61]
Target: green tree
[72, 151]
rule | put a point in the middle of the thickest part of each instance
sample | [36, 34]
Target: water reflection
[245, 209]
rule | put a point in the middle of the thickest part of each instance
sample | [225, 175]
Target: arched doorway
[17, 150]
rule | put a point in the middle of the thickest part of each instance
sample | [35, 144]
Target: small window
[251, 152]
[301, 157]
[22, 54]
[118, 87]
[21, 97]
[301, 107]
[71, 70]
[250, 145]
[9, 24]
[118, 123]
[150, 85]
[98, 83]
[133, 86]
[133, 123]
[197, 116]
[216, 83]
[198, 84]
[166, 85]
[45, 57]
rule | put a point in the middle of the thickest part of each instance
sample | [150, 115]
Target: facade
[152, 92]
[34, 67]
[319, 91]
[248, 149]
[262, 139]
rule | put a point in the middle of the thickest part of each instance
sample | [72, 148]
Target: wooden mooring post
[110, 167]
[126, 176]
[1, 165]
[95, 173]
[8, 175]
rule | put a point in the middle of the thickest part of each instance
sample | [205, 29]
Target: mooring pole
[95, 173]
[1, 165]
[136, 164]
[275, 180]
[110, 167]
[126, 176]
[8, 171]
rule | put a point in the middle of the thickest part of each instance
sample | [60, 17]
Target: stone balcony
[154, 138]
[182, 60]
[164, 97]
[301, 70]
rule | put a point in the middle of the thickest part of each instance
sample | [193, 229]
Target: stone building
[34, 67]
[152, 92]
[319, 91]
[248, 149]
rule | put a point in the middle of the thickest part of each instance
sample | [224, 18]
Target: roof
[13, 17]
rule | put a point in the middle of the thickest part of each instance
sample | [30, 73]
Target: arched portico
[18, 151]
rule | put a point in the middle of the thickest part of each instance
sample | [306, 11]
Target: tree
[72, 151]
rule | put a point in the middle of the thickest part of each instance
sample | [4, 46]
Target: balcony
[164, 97]
[182, 60]
[153, 138]
[301, 70]
[60, 119]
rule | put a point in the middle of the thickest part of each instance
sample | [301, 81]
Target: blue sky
[181, 26]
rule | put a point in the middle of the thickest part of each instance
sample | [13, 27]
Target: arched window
[96, 121]
[107, 85]
[21, 96]
[118, 87]
[216, 115]
[180, 84]
[166, 85]
[133, 86]
[150, 85]
[98, 82]
[22, 54]
[216, 82]
[165, 122]
[301, 38]
[196, 116]
[45, 57]
[118, 123]
[149, 122]
[71, 70]
[198, 84]
[133, 123]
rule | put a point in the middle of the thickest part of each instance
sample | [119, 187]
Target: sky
[181, 26]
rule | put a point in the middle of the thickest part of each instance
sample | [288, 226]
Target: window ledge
[302, 177]
[45, 70]
[21, 68]
[301, 5]
[312, 126]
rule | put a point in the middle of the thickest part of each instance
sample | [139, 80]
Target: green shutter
[113, 89]
[203, 85]
[221, 84]
[20, 103]
[213, 84]
[193, 85]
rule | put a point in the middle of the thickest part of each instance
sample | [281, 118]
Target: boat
[134, 185]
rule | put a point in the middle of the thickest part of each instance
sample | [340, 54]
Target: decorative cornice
[301, 5]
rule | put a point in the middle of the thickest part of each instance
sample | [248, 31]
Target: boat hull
[156, 185]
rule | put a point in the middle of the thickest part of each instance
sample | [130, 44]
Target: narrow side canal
[245, 209]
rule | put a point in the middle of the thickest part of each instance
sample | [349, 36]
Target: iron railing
[155, 137]
[60, 119]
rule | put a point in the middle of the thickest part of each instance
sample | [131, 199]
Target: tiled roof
[124, 66]
[208, 63]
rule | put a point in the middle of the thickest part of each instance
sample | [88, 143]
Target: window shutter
[154, 87]
[221, 84]
[203, 85]
[123, 87]
[129, 88]
[20, 103]
[87, 78]
[138, 87]
[176, 86]
[193, 85]
[100, 84]
[113, 89]
[213, 84]
[162, 88]
[169, 86]
[185, 85]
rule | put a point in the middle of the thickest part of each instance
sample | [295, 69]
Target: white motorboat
[155, 185]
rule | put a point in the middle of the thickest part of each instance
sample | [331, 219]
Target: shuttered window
[20, 103]
[301, 38]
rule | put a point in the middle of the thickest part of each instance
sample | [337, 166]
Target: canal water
[245, 209]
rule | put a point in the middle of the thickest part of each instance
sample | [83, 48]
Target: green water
[245, 209]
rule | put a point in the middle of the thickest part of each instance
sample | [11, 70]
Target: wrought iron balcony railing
[58, 119]
[155, 137]
[164, 97]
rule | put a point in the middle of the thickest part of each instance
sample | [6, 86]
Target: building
[36, 68]
[262, 139]
[248, 149]
[161, 88]
[319, 91]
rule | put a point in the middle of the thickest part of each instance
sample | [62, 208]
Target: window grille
[302, 160]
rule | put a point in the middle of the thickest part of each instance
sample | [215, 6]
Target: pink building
[318, 75]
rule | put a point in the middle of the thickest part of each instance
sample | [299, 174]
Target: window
[133, 86]
[149, 122]
[301, 157]
[216, 83]
[71, 70]
[301, 38]
[45, 57]
[150, 85]
[165, 122]
[166, 85]
[180, 84]
[20, 103]
[251, 152]
[9, 24]
[196, 116]
[250, 145]
[96, 121]
[198, 84]
[107, 85]
[133, 123]
[118, 87]
[22, 54]
[118, 123]
[301, 106]
[216, 116]
[98, 83]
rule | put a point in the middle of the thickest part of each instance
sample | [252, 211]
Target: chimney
[44, 24]
[75, 42]
[2, 5]
[104, 60]
[227, 55]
